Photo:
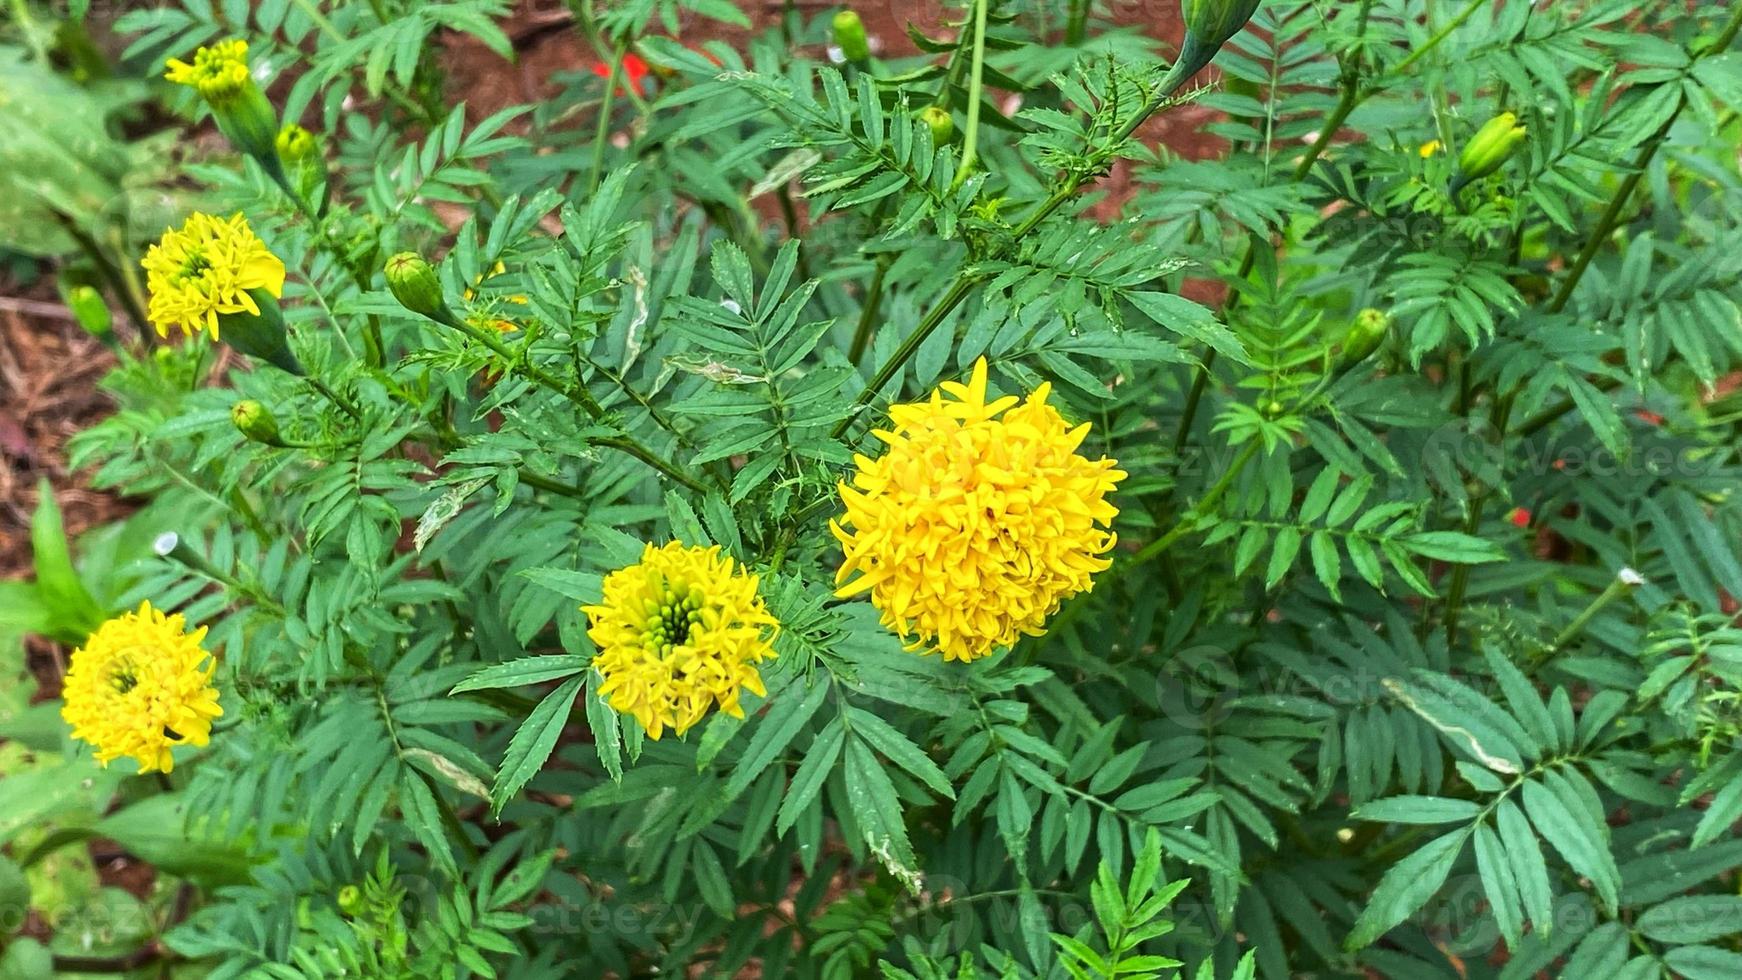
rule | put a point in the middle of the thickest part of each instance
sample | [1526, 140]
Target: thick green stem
[1077, 22]
[971, 135]
[1624, 582]
[1189, 522]
[602, 132]
[579, 395]
[868, 312]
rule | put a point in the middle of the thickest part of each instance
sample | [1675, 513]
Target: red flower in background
[1519, 517]
[634, 70]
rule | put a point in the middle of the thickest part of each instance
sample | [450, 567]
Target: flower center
[124, 674]
[193, 266]
[670, 617]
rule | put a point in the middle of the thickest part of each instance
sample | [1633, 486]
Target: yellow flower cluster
[219, 73]
[979, 520]
[206, 268]
[139, 686]
[678, 633]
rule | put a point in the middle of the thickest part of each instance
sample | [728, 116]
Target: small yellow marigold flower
[979, 520]
[206, 268]
[1430, 148]
[140, 685]
[295, 144]
[678, 633]
[219, 73]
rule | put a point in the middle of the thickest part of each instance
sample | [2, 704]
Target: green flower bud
[415, 284]
[1492, 145]
[1364, 336]
[1213, 22]
[91, 311]
[350, 899]
[1209, 25]
[255, 421]
[938, 120]
[295, 145]
[850, 36]
[260, 335]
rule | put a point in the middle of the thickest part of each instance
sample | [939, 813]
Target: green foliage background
[1364, 721]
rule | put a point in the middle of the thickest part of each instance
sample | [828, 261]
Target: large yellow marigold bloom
[678, 633]
[139, 686]
[979, 520]
[205, 268]
[219, 73]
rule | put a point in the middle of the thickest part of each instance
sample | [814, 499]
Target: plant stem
[1624, 583]
[966, 279]
[959, 290]
[1077, 22]
[524, 366]
[576, 393]
[971, 134]
[1189, 522]
[868, 312]
[334, 397]
[602, 132]
[110, 272]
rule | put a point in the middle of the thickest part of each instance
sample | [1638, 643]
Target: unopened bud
[1213, 22]
[255, 421]
[850, 36]
[260, 335]
[938, 120]
[350, 899]
[1364, 336]
[221, 74]
[415, 284]
[1492, 145]
[89, 309]
[295, 144]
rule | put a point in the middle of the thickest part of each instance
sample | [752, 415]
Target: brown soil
[49, 370]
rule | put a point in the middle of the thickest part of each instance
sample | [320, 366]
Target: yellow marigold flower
[678, 633]
[979, 520]
[219, 73]
[1430, 148]
[139, 686]
[206, 268]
